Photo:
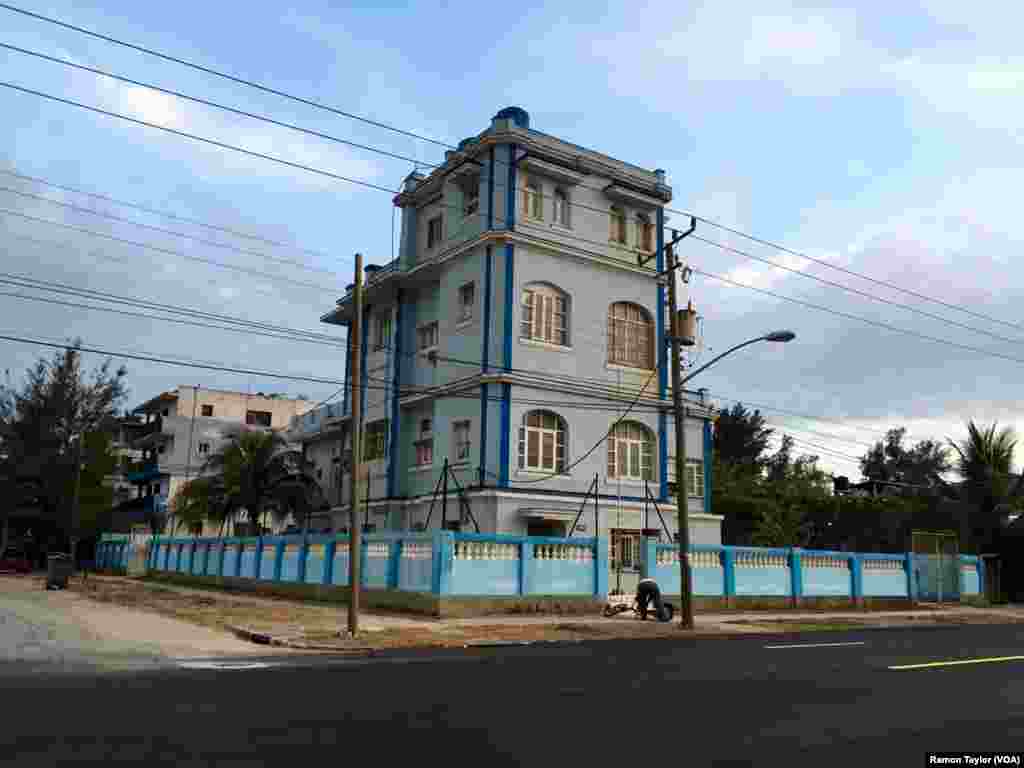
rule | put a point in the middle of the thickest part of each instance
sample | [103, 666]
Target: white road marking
[958, 662]
[817, 645]
[227, 665]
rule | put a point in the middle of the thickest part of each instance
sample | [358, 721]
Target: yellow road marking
[958, 662]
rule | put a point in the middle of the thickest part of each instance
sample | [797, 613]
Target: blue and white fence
[488, 565]
[756, 572]
[440, 562]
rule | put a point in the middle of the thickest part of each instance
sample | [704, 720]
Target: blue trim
[490, 194]
[486, 352]
[396, 346]
[348, 370]
[510, 190]
[708, 465]
[506, 389]
[506, 434]
[362, 364]
[796, 576]
[509, 302]
[662, 356]
[488, 288]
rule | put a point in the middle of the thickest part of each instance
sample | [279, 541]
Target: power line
[194, 137]
[36, 284]
[173, 233]
[869, 321]
[214, 104]
[225, 76]
[178, 321]
[281, 124]
[170, 251]
[857, 292]
[797, 414]
[165, 214]
[272, 158]
[861, 275]
[166, 361]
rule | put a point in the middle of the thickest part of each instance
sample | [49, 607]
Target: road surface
[819, 698]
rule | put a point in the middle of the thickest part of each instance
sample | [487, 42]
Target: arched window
[631, 452]
[545, 314]
[630, 336]
[644, 232]
[617, 234]
[561, 208]
[542, 442]
[532, 200]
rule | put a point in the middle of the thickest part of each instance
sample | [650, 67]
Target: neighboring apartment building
[515, 304]
[184, 426]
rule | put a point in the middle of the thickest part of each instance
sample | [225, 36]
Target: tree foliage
[40, 424]
[257, 471]
[889, 460]
[741, 437]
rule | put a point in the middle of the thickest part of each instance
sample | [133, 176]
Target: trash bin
[58, 571]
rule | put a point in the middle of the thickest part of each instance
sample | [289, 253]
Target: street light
[682, 503]
[780, 337]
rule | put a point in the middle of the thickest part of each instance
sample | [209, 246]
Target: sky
[879, 139]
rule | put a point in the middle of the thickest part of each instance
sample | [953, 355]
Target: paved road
[704, 702]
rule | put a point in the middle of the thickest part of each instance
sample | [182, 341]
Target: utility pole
[355, 534]
[679, 408]
[75, 500]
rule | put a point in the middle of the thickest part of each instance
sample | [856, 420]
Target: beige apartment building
[183, 427]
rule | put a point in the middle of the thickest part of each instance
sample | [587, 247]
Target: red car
[15, 560]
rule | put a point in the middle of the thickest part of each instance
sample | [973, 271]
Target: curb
[263, 638]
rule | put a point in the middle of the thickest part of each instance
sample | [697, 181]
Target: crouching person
[647, 592]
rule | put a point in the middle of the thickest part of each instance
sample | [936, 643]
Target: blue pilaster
[506, 389]
[278, 559]
[363, 373]
[442, 562]
[167, 555]
[650, 558]
[856, 578]
[525, 566]
[394, 563]
[364, 561]
[662, 357]
[490, 192]
[982, 592]
[485, 353]
[708, 465]
[330, 551]
[220, 564]
[393, 453]
[510, 190]
[908, 564]
[728, 572]
[238, 560]
[796, 576]
[346, 394]
[303, 558]
[259, 558]
[600, 567]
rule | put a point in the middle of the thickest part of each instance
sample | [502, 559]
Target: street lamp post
[682, 503]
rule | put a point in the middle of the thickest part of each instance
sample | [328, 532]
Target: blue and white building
[510, 334]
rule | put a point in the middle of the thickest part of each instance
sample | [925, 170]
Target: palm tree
[984, 461]
[260, 472]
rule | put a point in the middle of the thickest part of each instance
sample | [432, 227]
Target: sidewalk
[63, 626]
[324, 626]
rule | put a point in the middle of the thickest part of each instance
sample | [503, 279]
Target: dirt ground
[325, 625]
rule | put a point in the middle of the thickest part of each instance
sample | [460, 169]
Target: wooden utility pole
[679, 408]
[355, 532]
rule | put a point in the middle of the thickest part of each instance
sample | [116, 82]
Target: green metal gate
[936, 565]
